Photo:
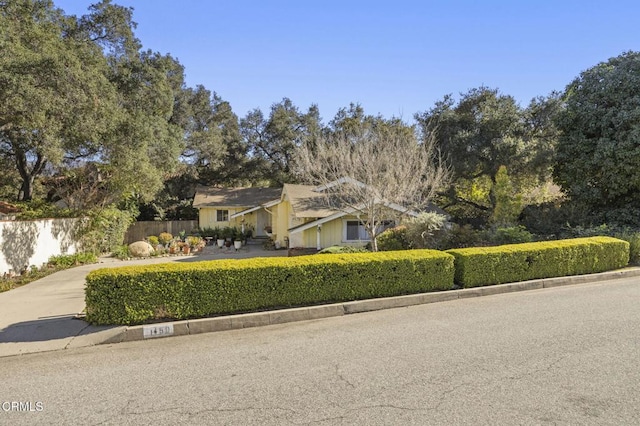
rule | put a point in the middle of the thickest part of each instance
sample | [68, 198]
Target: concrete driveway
[41, 316]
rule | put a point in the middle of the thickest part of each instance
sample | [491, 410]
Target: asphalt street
[560, 356]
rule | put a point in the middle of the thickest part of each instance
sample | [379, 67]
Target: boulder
[140, 249]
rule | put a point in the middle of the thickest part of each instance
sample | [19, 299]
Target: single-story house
[293, 216]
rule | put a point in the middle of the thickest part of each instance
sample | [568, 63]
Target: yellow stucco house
[293, 216]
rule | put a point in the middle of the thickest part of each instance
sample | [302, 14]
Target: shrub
[630, 235]
[425, 230]
[193, 241]
[154, 241]
[40, 209]
[210, 232]
[69, 260]
[460, 236]
[342, 249]
[394, 239]
[520, 262]
[137, 294]
[510, 235]
[633, 238]
[165, 238]
[121, 252]
[104, 229]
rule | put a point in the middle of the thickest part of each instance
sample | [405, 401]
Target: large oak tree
[57, 102]
[598, 151]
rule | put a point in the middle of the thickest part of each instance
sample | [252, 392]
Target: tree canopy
[598, 149]
[89, 116]
[57, 102]
[484, 131]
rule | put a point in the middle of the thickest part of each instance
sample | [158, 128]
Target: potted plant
[210, 234]
[248, 233]
[194, 242]
[165, 238]
[186, 249]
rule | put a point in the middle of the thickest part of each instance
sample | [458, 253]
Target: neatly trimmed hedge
[136, 294]
[520, 262]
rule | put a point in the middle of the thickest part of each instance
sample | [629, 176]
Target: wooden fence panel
[139, 231]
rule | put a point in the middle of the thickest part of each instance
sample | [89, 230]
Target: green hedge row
[135, 294]
[520, 262]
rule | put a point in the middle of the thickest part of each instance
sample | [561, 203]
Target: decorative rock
[140, 249]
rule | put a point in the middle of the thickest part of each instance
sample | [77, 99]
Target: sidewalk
[40, 316]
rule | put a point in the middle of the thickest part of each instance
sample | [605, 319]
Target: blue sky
[395, 58]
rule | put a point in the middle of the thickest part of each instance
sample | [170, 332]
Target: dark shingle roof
[234, 197]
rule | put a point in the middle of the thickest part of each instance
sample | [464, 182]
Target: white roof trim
[317, 222]
[340, 214]
[401, 209]
[253, 209]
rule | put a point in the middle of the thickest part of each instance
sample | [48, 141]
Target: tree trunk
[28, 176]
[26, 190]
[374, 244]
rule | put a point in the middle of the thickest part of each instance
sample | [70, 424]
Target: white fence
[27, 243]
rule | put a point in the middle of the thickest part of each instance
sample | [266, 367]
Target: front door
[262, 221]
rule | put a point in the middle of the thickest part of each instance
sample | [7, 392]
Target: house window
[222, 215]
[354, 230]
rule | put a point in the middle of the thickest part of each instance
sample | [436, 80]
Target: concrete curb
[259, 319]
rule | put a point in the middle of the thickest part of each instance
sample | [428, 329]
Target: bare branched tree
[373, 171]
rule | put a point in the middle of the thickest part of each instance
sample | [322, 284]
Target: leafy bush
[630, 235]
[549, 218]
[121, 252]
[69, 260]
[415, 233]
[342, 249]
[165, 238]
[137, 294]
[193, 241]
[520, 262]
[395, 238]
[633, 238]
[510, 235]
[154, 241]
[210, 232]
[426, 230]
[461, 236]
[40, 209]
[104, 229]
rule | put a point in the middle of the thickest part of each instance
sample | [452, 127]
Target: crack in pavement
[74, 337]
[341, 377]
